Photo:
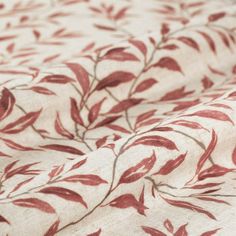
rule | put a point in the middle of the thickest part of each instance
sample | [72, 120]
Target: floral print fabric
[117, 117]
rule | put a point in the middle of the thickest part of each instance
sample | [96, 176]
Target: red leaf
[4, 220]
[57, 79]
[22, 123]
[64, 193]
[118, 128]
[75, 113]
[207, 83]
[176, 94]
[42, 90]
[155, 140]
[190, 206]
[169, 64]
[144, 85]
[138, 171]
[53, 229]
[216, 16]
[139, 45]
[34, 203]
[126, 201]
[107, 121]
[92, 180]
[171, 165]
[117, 54]
[3, 38]
[213, 171]
[61, 129]
[81, 75]
[212, 114]
[209, 41]
[7, 102]
[104, 27]
[63, 148]
[168, 225]
[100, 142]
[234, 156]
[210, 233]
[114, 79]
[94, 111]
[170, 47]
[185, 104]
[207, 153]
[189, 124]
[152, 231]
[181, 231]
[121, 13]
[125, 105]
[17, 146]
[190, 42]
[97, 233]
[145, 116]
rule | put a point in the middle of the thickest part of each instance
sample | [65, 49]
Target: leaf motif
[152, 231]
[144, 85]
[138, 171]
[213, 171]
[34, 203]
[207, 83]
[104, 27]
[118, 128]
[114, 79]
[53, 229]
[118, 54]
[176, 94]
[234, 156]
[92, 180]
[181, 231]
[63, 148]
[75, 113]
[65, 194]
[42, 90]
[210, 233]
[97, 233]
[169, 64]
[212, 114]
[7, 102]
[94, 111]
[145, 116]
[209, 41]
[61, 129]
[190, 206]
[125, 105]
[17, 146]
[57, 79]
[189, 124]
[22, 123]
[139, 45]
[155, 140]
[171, 165]
[81, 76]
[168, 225]
[189, 42]
[4, 220]
[216, 16]
[107, 121]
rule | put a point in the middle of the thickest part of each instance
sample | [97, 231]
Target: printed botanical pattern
[117, 117]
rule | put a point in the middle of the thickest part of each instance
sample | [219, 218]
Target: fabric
[117, 118]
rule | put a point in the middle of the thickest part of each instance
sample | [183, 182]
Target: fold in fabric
[117, 117]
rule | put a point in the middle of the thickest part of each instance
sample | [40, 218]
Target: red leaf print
[94, 111]
[189, 124]
[144, 85]
[125, 105]
[138, 171]
[64, 193]
[97, 233]
[17, 146]
[92, 180]
[168, 225]
[209, 41]
[121, 13]
[107, 121]
[53, 229]
[100, 142]
[213, 171]
[170, 47]
[7, 102]
[176, 94]
[4, 220]
[216, 16]
[22, 123]
[152, 231]
[181, 231]
[141, 200]
[118, 54]
[155, 140]
[145, 116]
[207, 153]
[234, 156]
[81, 75]
[57, 79]
[207, 83]
[61, 129]
[139, 45]
[34, 203]
[165, 29]
[114, 79]
[171, 165]
[190, 42]
[190, 206]
[63, 148]
[104, 27]
[118, 128]
[126, 201]
[212, 114]
[210, 233]
[75, 113]
[169, 64]
[42, 90]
